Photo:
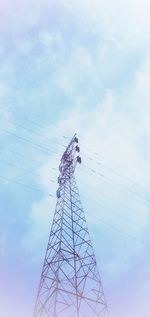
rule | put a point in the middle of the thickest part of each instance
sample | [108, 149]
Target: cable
[100, 163]
[24, 185]
[29, 187]
[51, 180]
[23, 156]
[30, 142]
[101, 220]
[47, 150]
[25, 170]
[35, 123]
[121, 231]
[113, 212]
[34, 132]
[40, 162]
[121, 187]
[120, 175]
[31, 121]
[120, 204]
[65, 137]
[36, 174]
[26, 157]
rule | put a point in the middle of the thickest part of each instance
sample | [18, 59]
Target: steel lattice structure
[70, 284]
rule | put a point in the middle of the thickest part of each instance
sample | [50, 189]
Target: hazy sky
[75, 66]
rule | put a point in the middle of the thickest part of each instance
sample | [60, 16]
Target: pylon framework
[70, 284]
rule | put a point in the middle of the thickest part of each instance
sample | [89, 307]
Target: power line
[121, 186]
[25, 157]
[114, 201]
[36, 174]
[92, 170]
[100, 163]
[36, 124]
[25, 170]
[91, 200]
[113, 212]
[65, 137]
[47, 150]
[101, 220]
[117, 173]
[22, 156]
[44, 149]
[10, 180]
[40, 162]
[121, 231]
[34, 132]
[91, 150]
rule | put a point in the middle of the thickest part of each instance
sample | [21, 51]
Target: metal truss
[70, 284]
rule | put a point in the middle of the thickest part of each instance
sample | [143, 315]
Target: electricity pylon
[70, 284]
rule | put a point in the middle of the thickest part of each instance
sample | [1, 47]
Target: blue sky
[75, 66]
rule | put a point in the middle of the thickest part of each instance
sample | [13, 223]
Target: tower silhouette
[70, 284]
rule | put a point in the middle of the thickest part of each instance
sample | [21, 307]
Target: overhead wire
[96, 217]
[50, 129]
[121, 231]
[46, 151]
[100, 164]
[122, 187]
[35, 123]
[43, 149]
[103, 164]
[25, 170]
[65, 137]
[23, 156]
[34, 132]
[98, 204]
[10, 180]
[31, 130]
[53, 181]
[36, 174]
[120, 204]
[89, 199]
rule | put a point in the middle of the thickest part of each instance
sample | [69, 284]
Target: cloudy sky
[75, 67]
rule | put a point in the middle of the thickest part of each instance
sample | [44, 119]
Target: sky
[71, 67]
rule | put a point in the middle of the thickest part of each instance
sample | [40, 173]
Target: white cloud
[126, 21]
[121, 27]
[92, 55]
[115, 137]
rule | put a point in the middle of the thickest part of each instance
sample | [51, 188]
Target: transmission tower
[70, 284]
